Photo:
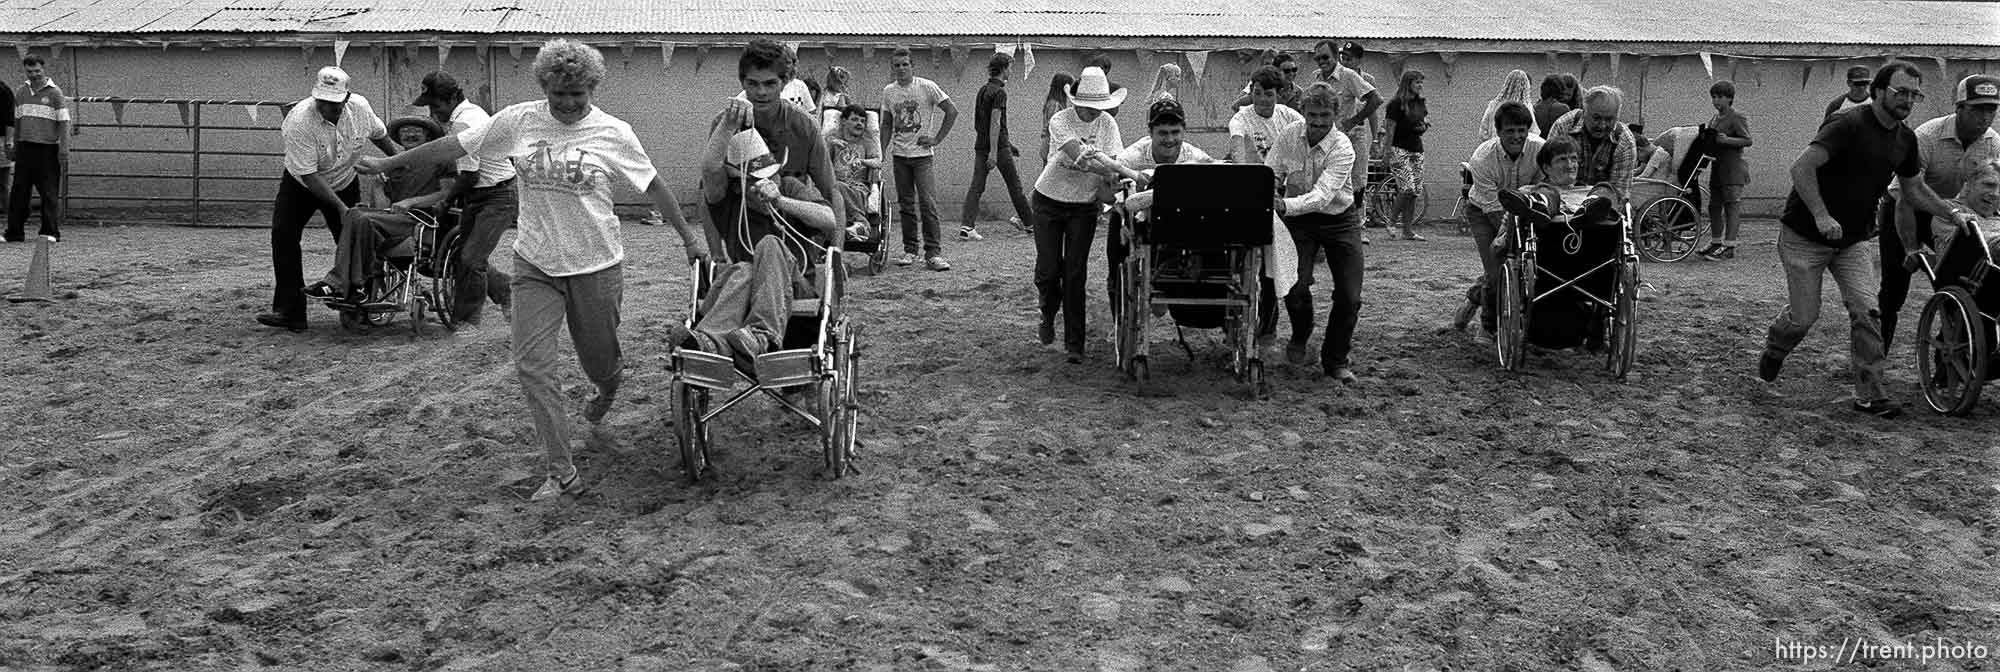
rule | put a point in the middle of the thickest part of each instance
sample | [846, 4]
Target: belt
[509, 182]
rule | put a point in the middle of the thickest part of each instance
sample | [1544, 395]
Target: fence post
[195, 175]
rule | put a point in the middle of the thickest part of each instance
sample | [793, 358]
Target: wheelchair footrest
[785, 368]
[707, 369]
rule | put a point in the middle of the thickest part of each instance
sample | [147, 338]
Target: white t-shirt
[314, 146]
[1062, 179]
[491, 172]
[567, 172]
[911, 109]
[1139, 156]
[1261, 130]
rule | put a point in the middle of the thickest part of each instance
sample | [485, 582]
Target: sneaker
[1412, 235]
[969, 233]
[938, 263]
[598, 405]
[745, 345]
[1342, 374]
[1020, 225]
[322, 291]
[907, 259]
[1727, 252]
[857, 233]
[281, 322]
[1075, 354]
[1047, 332]
[1708, 252]
[1768, 366]
[553, 487]
[1881, 408]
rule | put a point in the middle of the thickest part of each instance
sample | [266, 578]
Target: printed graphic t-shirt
[1261, 130]
[911, 109]
[566, 175]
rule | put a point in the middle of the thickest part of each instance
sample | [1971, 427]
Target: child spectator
[1728, 133]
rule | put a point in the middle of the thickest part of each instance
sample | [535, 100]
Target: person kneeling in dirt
[366, 233]
[743, 314]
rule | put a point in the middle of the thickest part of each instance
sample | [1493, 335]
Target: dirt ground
[187, 490]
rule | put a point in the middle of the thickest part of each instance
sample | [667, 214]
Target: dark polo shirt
[1861, 156]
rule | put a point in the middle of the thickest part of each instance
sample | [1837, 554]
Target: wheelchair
[1957, 333]
[1380, 192]
[1669, 221]
[818, 352]
[416, 275]
[1562, 279]
[874, 247]
[1199, 255]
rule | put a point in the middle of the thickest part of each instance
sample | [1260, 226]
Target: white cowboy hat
[1093, 90]
[747, 153]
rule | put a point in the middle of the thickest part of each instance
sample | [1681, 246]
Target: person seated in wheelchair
[749, 300]
[1980, 196]
[368, 234]
[857, 166]
[1559, 201]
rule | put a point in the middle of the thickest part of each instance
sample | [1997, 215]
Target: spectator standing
[1407, 119]
[993, 147]
[1951, 148]
[1857, 94]
[323, 135]
[1572, 90]
[836, 96]
[1356, 101]
[1836, 184]
[1551, 106]
[908, 105]
[1057, 98]
[1513, 89]
[569, 256]
[1288, 94]
[40, 149]
[1729, 134]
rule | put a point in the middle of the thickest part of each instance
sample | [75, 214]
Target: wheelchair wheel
[690, 433]
[444, 287]
[1951, 352]
[1669, 230]
[384, 297]
[1623, 325]
[837, 407]
[419, 303]
[1259, 388]
[1511, 339]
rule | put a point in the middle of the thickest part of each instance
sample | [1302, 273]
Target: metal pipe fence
[197, 129]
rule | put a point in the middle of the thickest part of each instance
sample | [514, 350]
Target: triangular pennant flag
[1027, 59]
[625, 49]
[444, 52]
[868, 53]
[1197, 62]
[1805, 76]
[1145, 58]
[118, 111]
[1583, 70]
[792, 48]
[252, 111]
[960, 54]
[1943, 71]
[666, 56]
[307, 50]
[1757, 72]
[410, 52]
[479, 52]
[1397, 62]
[339, 51]
[1708, 64]
[1554, 65]
[1614, 65]
[827, 48]
[375, 53]
[1007, 49]
[21, 49]
[515, 51]
[700, 54]
[937, 57]
[184, 114]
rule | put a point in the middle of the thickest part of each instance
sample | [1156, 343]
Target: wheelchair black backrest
[1212, 205]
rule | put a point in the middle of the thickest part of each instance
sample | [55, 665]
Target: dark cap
[439, 86]
[1978, 90]
[1165, 111]
[1859, 75]
[1352, 49]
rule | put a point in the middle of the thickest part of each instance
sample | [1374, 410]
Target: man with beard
[1836, 183]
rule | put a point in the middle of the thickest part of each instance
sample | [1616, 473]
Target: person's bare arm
[388, 147]
[944, 126]
[441, 150]
[324, 193]
[669, 207]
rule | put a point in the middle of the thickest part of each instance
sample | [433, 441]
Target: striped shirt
[40, 113]
[315, 146]
[1607, 161]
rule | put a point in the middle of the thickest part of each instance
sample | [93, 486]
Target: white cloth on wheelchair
[1282, 258]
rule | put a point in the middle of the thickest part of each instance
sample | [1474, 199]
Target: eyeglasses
[1859, 82]
[1907, 93]
[1290, 71]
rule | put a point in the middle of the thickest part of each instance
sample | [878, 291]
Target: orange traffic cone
[37, 288]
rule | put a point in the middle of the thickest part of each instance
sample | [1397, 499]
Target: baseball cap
[747, 153]
[331, 85]
[439, 86]
[1352, 49]
[1978, 90]
[1165, 111]
[1859, 75]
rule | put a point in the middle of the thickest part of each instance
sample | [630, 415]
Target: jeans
[487, 213]
[364, 234]
[37, 169]
[1895, 280]
[1341, 236]
[588, 303]
[1062, 254]
[293, 208]
[1484, 228]
[916, 192]
[1853, 268]
[6, 184]
[982, 162]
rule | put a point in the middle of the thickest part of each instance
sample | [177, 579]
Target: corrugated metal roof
[1914, 22]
